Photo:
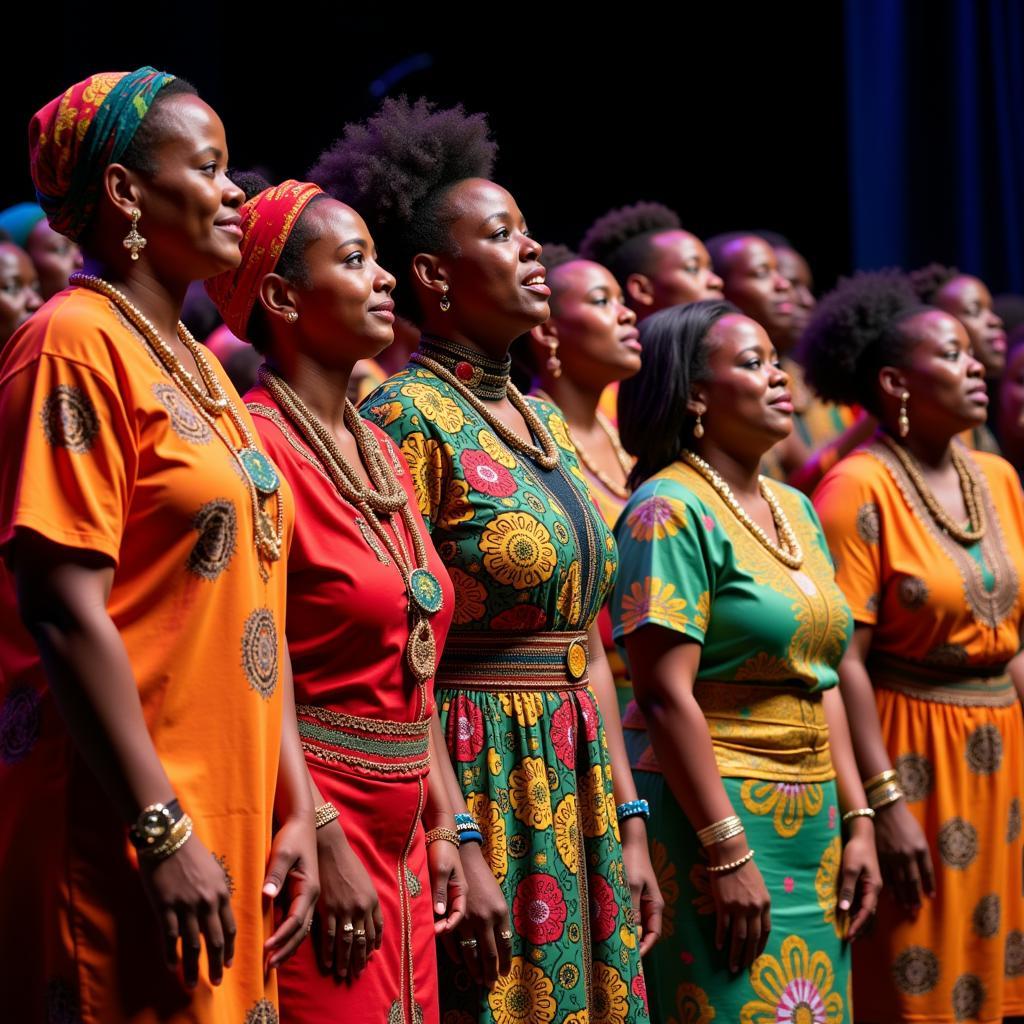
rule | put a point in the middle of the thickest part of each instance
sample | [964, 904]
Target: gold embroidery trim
[375, 726]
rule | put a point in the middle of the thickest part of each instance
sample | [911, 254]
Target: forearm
[603, 685]
[848, 783]
[1016, 670]
[296, 792]
[91, 678]
[442, 787]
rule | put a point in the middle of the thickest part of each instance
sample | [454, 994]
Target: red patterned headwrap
[76, 136]
[267, 221]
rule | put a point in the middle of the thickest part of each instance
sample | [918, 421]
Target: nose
[530, 249]
[77, 260]
[715, 283]
[385, 280]
[232, 195]
[781, 284]
[626, 315]
[995, 320]
[974, 367]
[33, 300]
[779, 379]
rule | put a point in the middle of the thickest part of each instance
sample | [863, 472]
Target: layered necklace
[210, 401]
[625, 462]
[384, 498]
[970, 487]
[465, 370]
[789, 553]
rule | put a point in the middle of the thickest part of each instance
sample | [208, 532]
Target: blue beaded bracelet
[633, 809]
[470, 836]
[465, 819]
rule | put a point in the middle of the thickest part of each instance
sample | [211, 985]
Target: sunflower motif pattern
[526, 552]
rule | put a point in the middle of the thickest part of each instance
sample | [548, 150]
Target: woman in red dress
[369, 605]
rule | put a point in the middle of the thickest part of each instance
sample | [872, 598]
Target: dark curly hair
[927, 281]
[555, 254]
[139, 155]
[291, 264]
[621, 238]
[854, 332]
[396, 170]
[654, 421]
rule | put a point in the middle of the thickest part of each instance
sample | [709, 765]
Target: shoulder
[668, 503]
[996, 469]
[414, 399]
[75, 325]
[859, 473]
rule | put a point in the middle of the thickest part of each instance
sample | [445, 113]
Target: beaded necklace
[969, 487]
[483, 376]
[210, 402]
[790, 553]
[625, 462]
[546, 456]
[385, 497]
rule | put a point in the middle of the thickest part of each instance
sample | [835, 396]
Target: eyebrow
[354, 241]
[600, 288]
[504, 215]
[210, 149]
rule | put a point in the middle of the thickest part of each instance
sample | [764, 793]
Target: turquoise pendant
[260, 469]
[426, 590]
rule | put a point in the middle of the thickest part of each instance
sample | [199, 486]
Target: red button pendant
[464, 371]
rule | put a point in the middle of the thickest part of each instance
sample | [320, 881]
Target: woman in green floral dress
[532, 729]
[733, 625]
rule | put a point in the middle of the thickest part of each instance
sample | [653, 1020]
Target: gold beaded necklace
[261, 479]
[790, 553]
[546, 456]
[970, 487]
[625, 462]
[385, 497]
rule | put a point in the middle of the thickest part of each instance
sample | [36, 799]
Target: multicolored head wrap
[267, 221]
[76, 136]
[19, 220]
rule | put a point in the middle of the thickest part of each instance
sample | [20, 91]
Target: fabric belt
[965, 685]
[771, 732]
[381, 748]
[503, 661]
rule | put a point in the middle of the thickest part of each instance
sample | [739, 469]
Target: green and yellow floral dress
[527, 555]
[771, 639]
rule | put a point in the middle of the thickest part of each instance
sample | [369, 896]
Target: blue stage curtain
[935, 103]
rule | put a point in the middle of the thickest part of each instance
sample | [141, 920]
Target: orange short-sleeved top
[102, 452]
[928, 597]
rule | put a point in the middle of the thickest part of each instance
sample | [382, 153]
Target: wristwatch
[153, 824]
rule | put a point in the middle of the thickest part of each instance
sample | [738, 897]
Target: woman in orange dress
[310, 296]
[142, 756]
[928, 540]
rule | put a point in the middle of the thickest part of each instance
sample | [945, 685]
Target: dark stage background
[880, 132]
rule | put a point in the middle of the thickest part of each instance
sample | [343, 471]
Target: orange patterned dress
[102, 452]
[946, 619]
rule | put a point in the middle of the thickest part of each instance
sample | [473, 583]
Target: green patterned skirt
[535, 772]
[803, 976]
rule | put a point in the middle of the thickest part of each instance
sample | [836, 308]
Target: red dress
[363, 721]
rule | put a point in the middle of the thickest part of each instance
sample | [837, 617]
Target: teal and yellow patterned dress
[529, 558]
[771, 639]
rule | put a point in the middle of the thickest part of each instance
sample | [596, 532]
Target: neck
[740, 472]
[321, 390]
[577, 402]
[932, 453]
[440, 325]
[159, 300]
[485, 376]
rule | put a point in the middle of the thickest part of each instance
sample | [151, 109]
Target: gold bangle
[719, 831]
[177, 837]
[879, 798]
[858, 812]
[325, 814]
[881, 779]
[449, 835]
[718, 869]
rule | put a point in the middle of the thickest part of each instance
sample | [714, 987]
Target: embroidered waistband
[777, 733]
[382, 748]
[965, 685]
[514, 661]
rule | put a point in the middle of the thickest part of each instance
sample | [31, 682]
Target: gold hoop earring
[698, 428]
[904, 420]
[133, 241]
[445, 302]
[291, 316]
[554, 364]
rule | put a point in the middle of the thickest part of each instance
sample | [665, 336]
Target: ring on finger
[506, 935]
[468, 943]
[360, 935]
[348, 927]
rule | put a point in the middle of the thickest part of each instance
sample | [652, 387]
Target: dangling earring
[445, 302]
[554, 363]
[904, 420]
[698, 428]
[133, 240]
[291, 316]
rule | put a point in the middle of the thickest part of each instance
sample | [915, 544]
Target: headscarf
[76, 136]
[267, 221]
[19, 220]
